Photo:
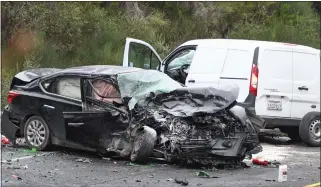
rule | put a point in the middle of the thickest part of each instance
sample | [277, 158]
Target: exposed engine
[204, 138]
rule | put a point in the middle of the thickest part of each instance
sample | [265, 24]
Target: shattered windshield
[136, 85]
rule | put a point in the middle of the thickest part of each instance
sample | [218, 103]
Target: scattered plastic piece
[105, 158]
[17, 177]
[283, 173]
[25, 167]
[84, 160]
[170, 179]
[138, 181]
[145, 165]
[270, 180]
[33, 150]
[259, 162]
[203, 174]
[4, 140]
[182, 182]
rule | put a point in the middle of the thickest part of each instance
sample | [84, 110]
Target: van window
[305, 66]
[276, 63]
[181, 58]
[237, 64]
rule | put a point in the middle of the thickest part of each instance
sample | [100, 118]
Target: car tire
[36, 133]
[309, 129]
[143, 145]
[292, 132]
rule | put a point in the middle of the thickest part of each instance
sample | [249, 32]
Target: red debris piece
[17, 177]
[4, 140]
[259, 162]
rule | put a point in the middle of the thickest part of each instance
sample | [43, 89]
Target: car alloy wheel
[36, 132]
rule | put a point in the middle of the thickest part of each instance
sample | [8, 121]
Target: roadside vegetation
[64, 34]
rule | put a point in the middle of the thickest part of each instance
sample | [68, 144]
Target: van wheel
[310, 128]
[36, 133]
[143, 145]
[292, 132]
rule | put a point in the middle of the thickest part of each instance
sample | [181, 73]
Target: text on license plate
[274, 105]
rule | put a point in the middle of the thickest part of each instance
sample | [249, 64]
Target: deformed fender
[240, 113]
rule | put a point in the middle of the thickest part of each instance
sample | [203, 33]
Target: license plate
[274, 105]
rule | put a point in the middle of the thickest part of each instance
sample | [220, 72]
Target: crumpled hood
[189, 101]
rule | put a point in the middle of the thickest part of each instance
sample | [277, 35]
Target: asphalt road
[59, 167]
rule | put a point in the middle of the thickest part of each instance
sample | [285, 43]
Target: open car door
[138, 53]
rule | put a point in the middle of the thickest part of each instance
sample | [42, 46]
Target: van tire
[143, 145]
[292, 132]
[307, 125]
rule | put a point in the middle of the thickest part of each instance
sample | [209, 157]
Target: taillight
[11, 96]
[254, 80]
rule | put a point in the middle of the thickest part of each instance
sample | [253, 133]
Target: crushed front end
[209, 135]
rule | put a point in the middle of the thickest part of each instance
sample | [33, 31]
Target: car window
[142, 57]
[68, 86]
[181, 58]
[105, 91]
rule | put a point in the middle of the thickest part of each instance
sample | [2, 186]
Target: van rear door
[274, 95]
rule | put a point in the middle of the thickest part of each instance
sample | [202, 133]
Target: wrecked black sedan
[132, 112]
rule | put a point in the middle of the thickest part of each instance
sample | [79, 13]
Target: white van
[279, 81]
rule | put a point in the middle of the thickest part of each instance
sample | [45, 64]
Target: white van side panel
[306, 73]
[206, 67]
[274, 95]
[237, 70]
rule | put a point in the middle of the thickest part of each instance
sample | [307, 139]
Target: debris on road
[170, 179]
[151, 176]
[245, 164]
[283, 173]
[105, 158]
[259, 162]
[17, 177]
[182, 182]
[270, 180]
[138, 181]
[33, 150]
[84, 160]
[142, 165]
[14, 167]
[203, 174]
[25, 167]
[4, 140]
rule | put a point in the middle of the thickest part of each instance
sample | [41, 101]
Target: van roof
[250, 43]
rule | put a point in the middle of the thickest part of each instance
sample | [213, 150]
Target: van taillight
[254, 80]
[11, 96]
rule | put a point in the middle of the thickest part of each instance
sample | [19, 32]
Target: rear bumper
[8, 129]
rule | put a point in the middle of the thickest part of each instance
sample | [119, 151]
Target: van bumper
[8, 129]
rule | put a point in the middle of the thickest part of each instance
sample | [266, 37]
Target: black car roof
[99, 70]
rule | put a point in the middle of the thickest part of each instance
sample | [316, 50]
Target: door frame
[127, 50]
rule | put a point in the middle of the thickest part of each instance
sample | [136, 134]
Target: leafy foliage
[64, 34]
